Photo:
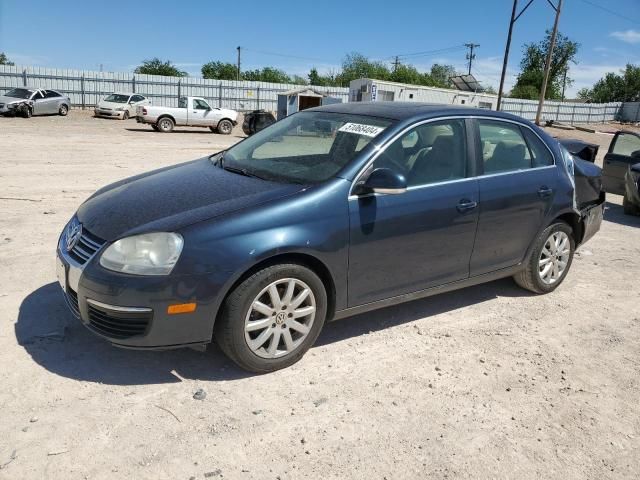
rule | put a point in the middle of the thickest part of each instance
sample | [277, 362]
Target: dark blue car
[330, 212]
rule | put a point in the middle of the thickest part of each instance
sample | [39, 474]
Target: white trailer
[372, 90]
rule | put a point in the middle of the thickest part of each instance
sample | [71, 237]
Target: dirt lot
[487, 382]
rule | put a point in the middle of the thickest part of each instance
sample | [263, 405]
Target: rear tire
[165, 125]
[225, 127]
[628, 207]
[63, 110]
[550, 260]
[291, 310]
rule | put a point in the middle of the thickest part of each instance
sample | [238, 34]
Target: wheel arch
[569, 217]
[575, 222]
[304, 259]
[166, 115]
[223, 119]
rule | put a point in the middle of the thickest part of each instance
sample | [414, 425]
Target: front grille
[72, 301]
[118, 324]
[86, 247]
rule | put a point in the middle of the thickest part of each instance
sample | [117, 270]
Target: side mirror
[382, 180]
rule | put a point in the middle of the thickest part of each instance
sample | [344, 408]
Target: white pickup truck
[191, 112]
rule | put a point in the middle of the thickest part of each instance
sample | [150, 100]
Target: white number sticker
[360, 129]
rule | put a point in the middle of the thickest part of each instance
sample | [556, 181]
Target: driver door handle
[466, 205]
[545, 191]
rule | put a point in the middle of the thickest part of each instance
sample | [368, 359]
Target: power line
[605, 9]
[275, 54]
[431, 52]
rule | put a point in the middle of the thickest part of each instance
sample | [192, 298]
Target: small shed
[293, 101]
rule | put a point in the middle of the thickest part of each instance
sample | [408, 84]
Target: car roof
[408, 110]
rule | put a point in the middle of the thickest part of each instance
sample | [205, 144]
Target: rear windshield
[308, 147]
[19, 93]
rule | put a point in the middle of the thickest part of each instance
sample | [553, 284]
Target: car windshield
[19, 93]
[308, 147]
[117, 98]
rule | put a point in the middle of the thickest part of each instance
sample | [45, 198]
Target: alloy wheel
[280, 318]
[554, 257]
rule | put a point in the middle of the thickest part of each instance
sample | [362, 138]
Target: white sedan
[120, 105]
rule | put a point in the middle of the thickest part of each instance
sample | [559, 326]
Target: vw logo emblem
[74, 232]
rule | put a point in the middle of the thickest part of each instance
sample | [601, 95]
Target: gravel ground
[487, 382]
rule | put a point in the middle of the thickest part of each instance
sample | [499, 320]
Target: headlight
[119, 109]
[147, 254]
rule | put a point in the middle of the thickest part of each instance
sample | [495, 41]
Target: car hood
[6, 100]
[174, 197]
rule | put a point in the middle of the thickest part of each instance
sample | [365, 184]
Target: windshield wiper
[239, 171]
[220, 161]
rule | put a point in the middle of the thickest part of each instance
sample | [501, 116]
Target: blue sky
[295, 36]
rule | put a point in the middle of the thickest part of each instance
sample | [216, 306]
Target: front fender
[313, 223]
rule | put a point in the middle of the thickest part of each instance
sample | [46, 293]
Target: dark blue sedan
[330, 212]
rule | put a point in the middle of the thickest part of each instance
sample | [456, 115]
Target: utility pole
[547, 66]
[513, 20]
[395, 64]
[238, 72]
[470, 55]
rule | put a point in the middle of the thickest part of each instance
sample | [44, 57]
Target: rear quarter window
[540, 154]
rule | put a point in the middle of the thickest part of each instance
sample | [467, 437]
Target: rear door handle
[466, 205]
[545, 191]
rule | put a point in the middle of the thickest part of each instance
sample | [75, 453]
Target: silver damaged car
[34, 101]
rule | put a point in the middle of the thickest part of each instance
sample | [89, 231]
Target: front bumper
[131, 311]
[99, 112]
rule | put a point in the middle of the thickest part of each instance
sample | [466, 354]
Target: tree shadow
[62, 345]
[614, 213]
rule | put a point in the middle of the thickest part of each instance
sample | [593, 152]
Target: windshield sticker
[360, 129]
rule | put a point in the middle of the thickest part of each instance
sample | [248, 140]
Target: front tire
[272, 318]
[225, 127]
[165, 125]
[549, 261]
[63, 110]
[25, 111]
[125, 115]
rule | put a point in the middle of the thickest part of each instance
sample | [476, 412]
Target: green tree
[406, 74]
[529, 82]
[4, 60]
[220, 71]
[298, 80]
[356, 65]
[328, 80]
[155, 66]
[266, 74]
[615, 88]
[441, 75]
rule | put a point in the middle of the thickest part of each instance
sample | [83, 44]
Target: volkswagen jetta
[330, 212]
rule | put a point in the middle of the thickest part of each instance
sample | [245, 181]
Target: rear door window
[51, 94]
[504, 149]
